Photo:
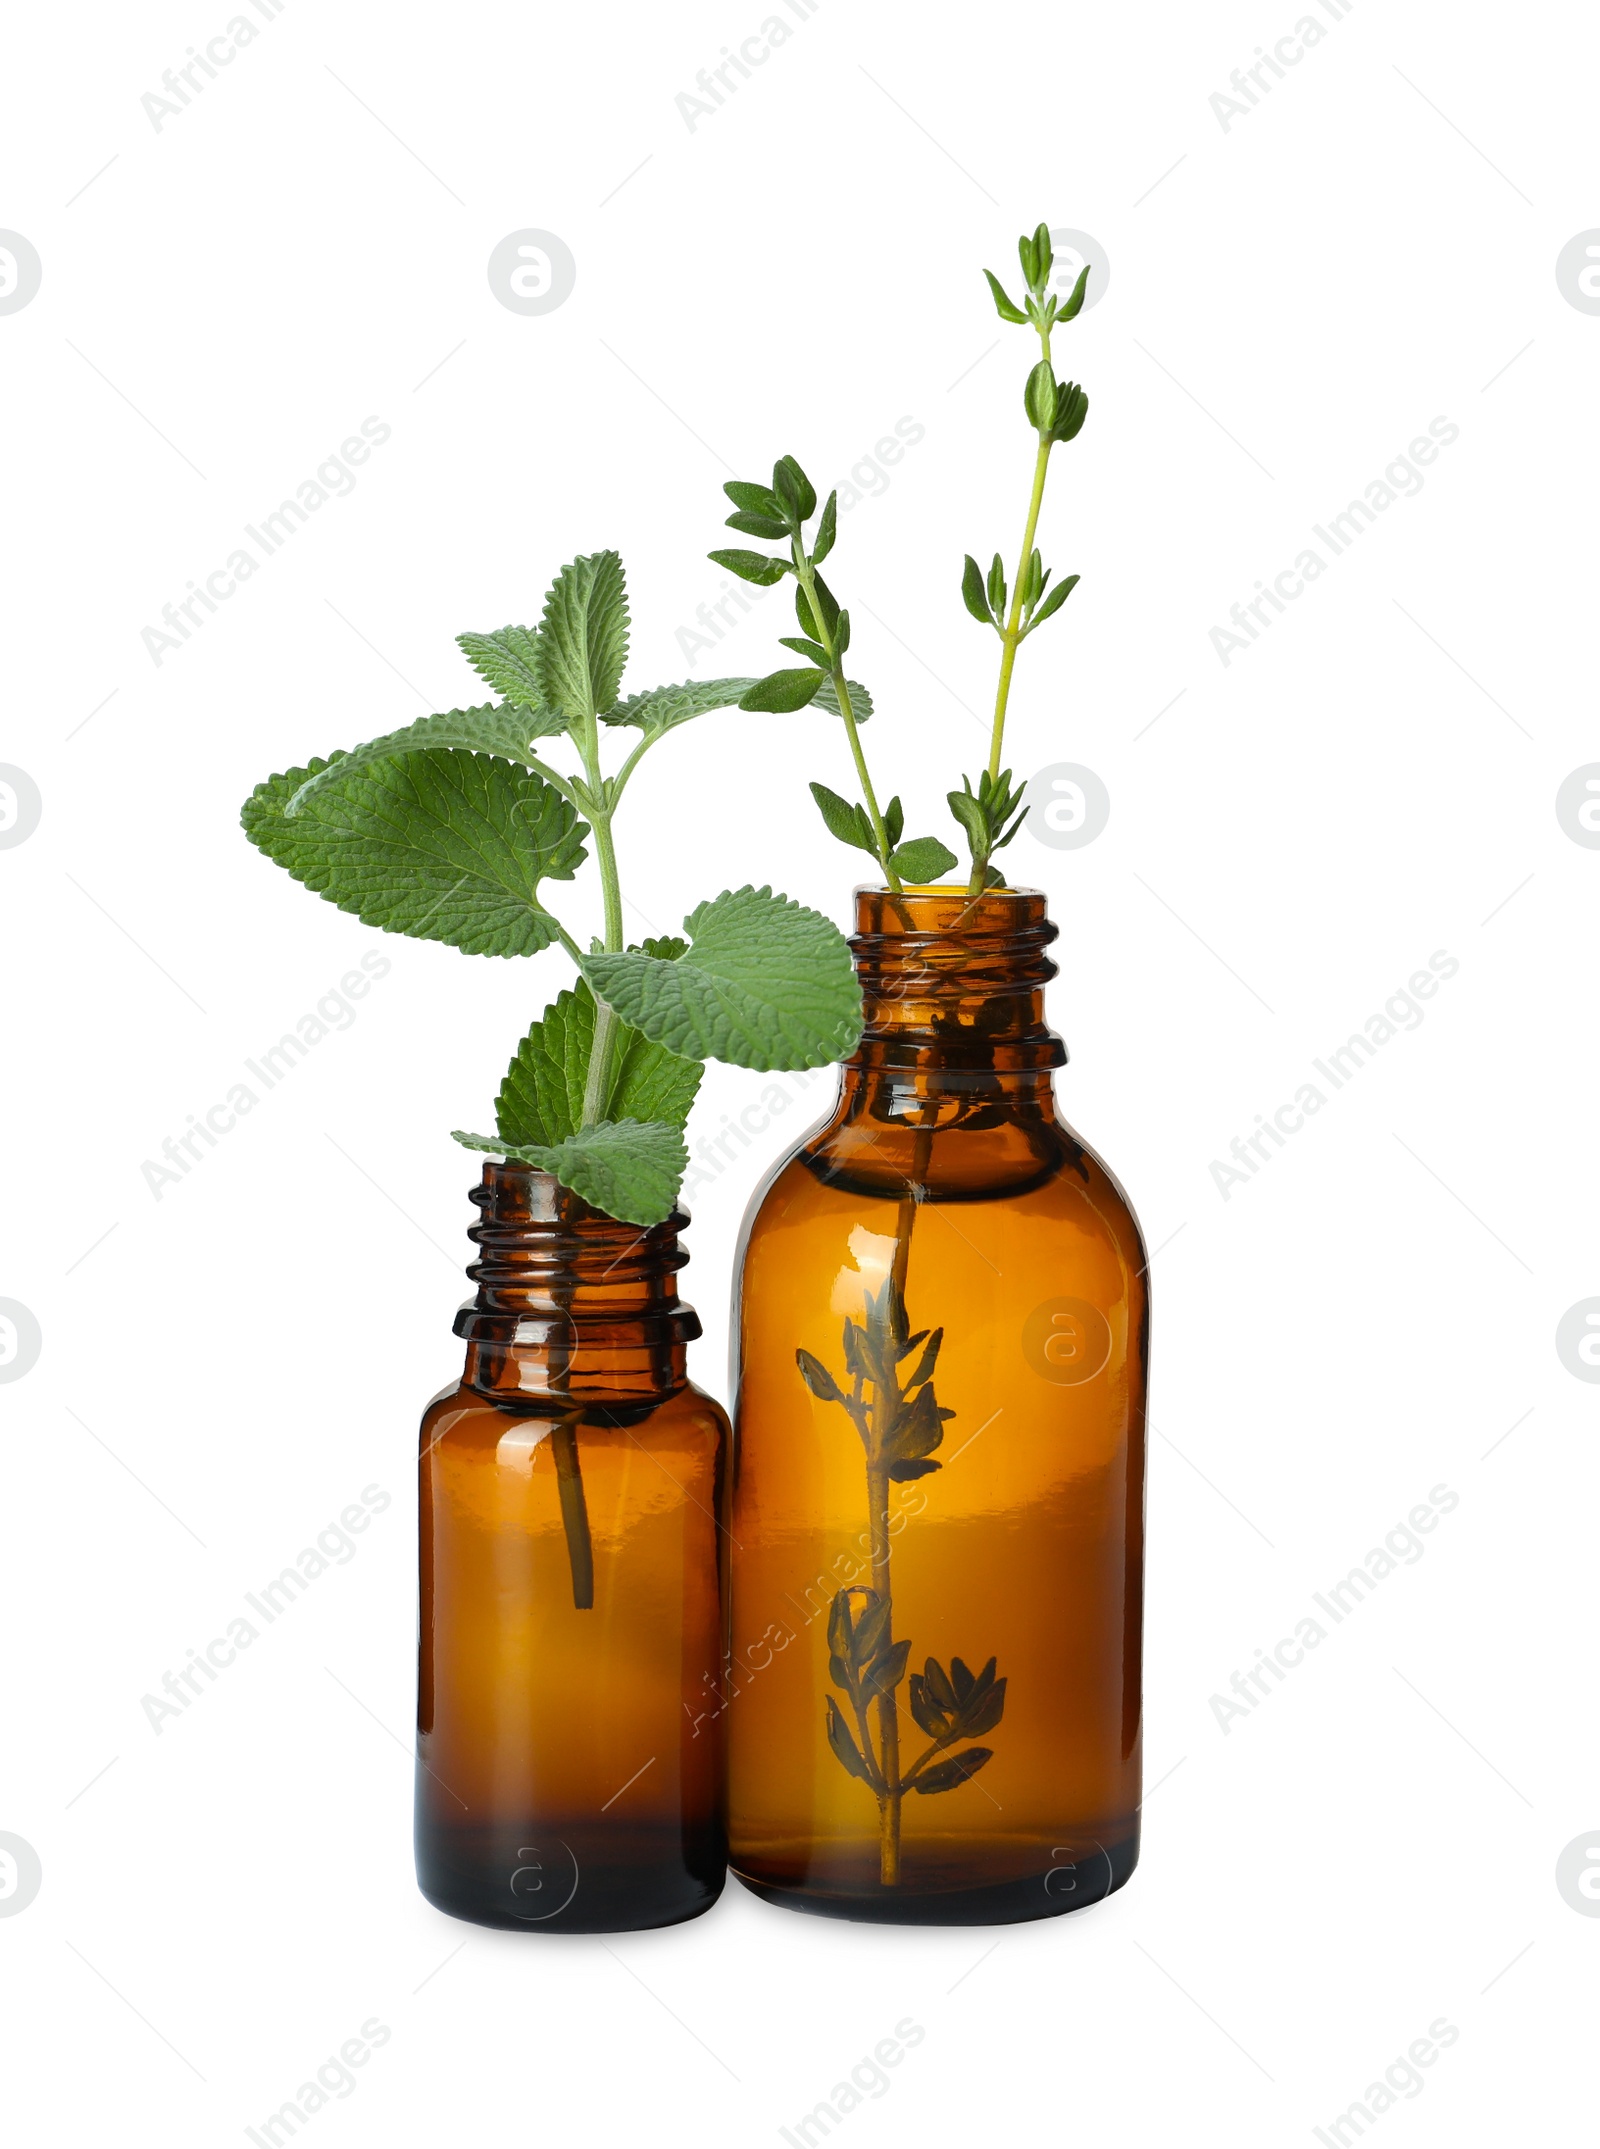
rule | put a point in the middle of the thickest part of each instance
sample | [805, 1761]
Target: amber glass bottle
[942, 1336]
[573, 1514]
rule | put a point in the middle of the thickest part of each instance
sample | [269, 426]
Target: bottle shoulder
[1003, 1156]
[460, 1414]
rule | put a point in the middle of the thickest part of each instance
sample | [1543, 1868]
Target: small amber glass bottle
[572, 1519]
[942, 1334]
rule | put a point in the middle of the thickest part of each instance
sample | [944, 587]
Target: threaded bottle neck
[571, 1306]
[953, 990]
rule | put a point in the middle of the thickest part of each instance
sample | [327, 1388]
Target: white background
[1292, 299]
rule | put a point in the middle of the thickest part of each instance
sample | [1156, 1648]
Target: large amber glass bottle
[573, 1515]
[942, 1334]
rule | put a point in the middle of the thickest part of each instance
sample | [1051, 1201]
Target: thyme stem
[1011, 634]
[806, 575]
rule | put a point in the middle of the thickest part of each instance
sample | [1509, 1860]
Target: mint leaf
[663, 708]
[765, 984]
[509, 661]
[583, 637]
[541, 1098]
[444, 846]
[491, 729]
[630, 1169]
[860, 700]
[922, 860]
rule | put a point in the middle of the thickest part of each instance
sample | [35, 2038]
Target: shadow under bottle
[572, 1501]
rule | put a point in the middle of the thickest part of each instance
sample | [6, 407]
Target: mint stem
[597, 1081]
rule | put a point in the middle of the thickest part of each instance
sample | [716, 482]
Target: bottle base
[1088, 1876]
[541, 1880]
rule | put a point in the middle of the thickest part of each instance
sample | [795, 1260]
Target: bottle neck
[572, 1307]
[953, 997]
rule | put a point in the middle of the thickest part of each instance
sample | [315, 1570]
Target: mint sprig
[763, 983]
[440, 845]
[451, 829]
[628, 1168]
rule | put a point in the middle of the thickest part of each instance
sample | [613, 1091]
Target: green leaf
[783, 692]
[541, 1098]
[1054, 601]
[765, 984]
[442, 845]
[972, 595]
[1074, 306]
[754, 499]
[818, 1379]
[1043, 253]
[583, 638]
[760, 526]
[894, 821]
[1003, 306]
[813, 651]
[627, 1168]
[971, 815]
[660, 709]
[1072, 407]
[793, 487]
[922, 860]
[751, 566]
[844, 819]
[492, 729]
[949, 1775]
[1039, 396]
[827, 530]
[860, 700]
[843, 1744]
[509, 661]
[1028, 255]
[995, 589]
